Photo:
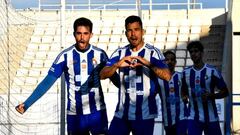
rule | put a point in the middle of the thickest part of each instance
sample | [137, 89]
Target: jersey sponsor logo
[84, 64]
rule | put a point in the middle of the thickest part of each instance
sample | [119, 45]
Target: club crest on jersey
[171, 90]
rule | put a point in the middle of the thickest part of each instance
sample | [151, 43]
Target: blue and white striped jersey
[81, 74]
[138, 87]
[173, 108]
[196, 82]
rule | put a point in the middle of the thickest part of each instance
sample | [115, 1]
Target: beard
[171, 67]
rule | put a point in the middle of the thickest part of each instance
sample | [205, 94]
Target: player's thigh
[142, 127]
[195, 127]
[99, 123]
[76, 125]
[119, 127]
[72, 123]
[171, 130]
[213, 128]
[182, 127]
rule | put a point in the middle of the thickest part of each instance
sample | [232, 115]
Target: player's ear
[91, 34]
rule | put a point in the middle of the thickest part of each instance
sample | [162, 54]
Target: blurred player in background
[174, 110]
[198, 83]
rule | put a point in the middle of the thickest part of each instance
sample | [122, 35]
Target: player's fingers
[137, 64]
[204, 97]
[20, 108]
[185, 99]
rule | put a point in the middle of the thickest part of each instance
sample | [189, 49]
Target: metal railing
[119, 6]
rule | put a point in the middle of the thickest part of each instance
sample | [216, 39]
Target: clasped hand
[206, 96]
[133, 62]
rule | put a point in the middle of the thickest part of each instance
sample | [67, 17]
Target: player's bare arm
[212, 96]
[162, 73]
[184, 94]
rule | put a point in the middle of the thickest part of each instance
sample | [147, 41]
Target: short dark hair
[195, 44]
[82, 22]
[169, 52]
[132, 19]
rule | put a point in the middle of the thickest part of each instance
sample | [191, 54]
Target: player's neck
[172, 71]
[198, 65]
[137, 47]
[82, 49]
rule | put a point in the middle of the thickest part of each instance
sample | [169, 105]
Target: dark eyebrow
[82, 32]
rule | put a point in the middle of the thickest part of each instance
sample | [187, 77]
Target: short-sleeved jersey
[137, 91]
[79, 68]
[197, 82]
[173, 108]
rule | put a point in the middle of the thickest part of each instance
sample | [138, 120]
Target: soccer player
[81, 64]
[174, 110]
[138, 65]
[198, 83]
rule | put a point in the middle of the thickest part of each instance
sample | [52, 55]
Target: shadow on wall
[212, 37]
[213, 40]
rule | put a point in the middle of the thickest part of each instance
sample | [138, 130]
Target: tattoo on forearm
[161, 73]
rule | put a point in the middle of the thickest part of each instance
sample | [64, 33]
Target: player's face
[170, 61]
[134, 34]
[82, 36]
[196, 55]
